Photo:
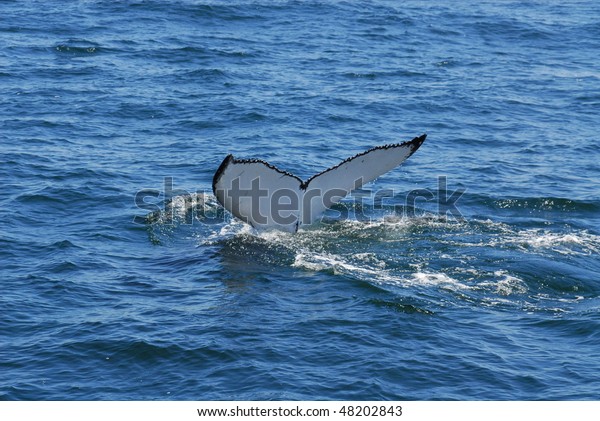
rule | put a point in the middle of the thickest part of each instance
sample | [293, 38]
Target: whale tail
[266, 197]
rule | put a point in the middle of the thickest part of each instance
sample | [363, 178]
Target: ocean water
[478, 277]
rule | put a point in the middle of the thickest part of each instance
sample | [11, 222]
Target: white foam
[508, 284]
[335, 263]
[438, 279]
[304, 261]
[488, 233]
[576, 243]
[370, 258]
[345, 247]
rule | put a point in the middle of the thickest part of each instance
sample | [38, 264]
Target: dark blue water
[102, 99]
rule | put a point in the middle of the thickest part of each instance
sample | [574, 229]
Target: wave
[558, 204]
[432, 259]
[79, 47]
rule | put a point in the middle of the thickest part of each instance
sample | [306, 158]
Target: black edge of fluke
[415, 144]
[266, 164]
[220, 171]
[231, 160]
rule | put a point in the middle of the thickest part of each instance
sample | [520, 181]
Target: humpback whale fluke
[266, 197]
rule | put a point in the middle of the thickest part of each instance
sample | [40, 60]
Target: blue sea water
[103, 99]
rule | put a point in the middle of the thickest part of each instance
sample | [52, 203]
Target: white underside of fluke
[269, 198]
